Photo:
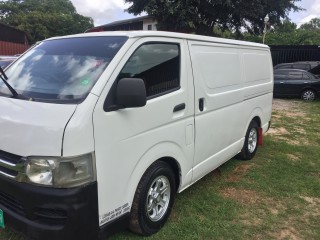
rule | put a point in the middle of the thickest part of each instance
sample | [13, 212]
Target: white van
[100, 130]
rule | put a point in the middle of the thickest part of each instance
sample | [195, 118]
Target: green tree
[287, 33]
[202, 16]
[280, 34]
[41, 19]
[314, 24]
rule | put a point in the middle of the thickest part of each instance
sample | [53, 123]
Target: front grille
[8, 172]
[11, 165]
[11, 203]
[9, 157]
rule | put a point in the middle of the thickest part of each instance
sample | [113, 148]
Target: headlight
[61, 172]
[39, 171]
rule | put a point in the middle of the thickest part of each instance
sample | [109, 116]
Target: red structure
[12, 41]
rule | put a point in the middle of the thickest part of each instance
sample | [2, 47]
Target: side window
[158, 65]
[295, 75]
[284, 67]
[280, 76]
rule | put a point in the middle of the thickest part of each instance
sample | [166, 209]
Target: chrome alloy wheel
[308, 95]
[252, 140]
[158, 198]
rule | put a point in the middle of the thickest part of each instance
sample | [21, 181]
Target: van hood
[33, 128]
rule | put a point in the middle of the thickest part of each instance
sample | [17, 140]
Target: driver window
[158, 65]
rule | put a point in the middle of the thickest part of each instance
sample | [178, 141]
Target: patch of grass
[274, 196]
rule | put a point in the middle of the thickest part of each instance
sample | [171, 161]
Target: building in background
[12, 41]
[140, 23]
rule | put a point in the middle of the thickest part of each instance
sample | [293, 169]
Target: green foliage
[314, 24]
[202, 16]
[41, 19]
[287, 33]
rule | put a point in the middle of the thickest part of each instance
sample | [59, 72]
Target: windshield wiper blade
[4, 78]
[14, 93]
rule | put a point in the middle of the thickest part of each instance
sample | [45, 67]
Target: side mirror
[131, 93]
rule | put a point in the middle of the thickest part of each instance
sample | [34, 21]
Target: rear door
[296, 82]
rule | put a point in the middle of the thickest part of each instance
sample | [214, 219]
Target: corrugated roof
[11, 34]
[120, 22]
[10, 27]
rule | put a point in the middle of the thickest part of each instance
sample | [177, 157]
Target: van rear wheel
[250, 146]
[153, 199]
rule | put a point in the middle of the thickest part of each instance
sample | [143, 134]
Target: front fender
[154, 153]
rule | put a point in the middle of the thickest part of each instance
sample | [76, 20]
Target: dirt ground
[289, 109]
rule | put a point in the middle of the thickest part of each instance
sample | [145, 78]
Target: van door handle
[179, 107]
[201, 104]
[281, 82]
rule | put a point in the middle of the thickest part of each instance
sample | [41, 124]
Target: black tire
[142, 220]
[250, 145]
[308, 95]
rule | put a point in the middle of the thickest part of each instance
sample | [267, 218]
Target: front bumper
[50, 213]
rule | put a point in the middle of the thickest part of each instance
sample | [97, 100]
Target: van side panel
[235, 84]
[258, 77]
[258, 85]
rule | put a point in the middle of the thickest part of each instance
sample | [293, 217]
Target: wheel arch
[257, 120]
[256, 115]
[173, 154]
[175, 167]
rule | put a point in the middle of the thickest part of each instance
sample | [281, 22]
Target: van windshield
[62, 70]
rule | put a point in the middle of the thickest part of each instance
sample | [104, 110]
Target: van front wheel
[153, 199]
[250, 146]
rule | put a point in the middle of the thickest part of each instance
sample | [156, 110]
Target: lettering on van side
[107, 217]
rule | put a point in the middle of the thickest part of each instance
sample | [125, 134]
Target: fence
[286, 54]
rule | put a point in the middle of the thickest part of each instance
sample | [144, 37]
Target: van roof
[139, 34]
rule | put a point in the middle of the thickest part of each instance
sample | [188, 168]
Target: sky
[106, 11]
[102, 11]
[312, 10]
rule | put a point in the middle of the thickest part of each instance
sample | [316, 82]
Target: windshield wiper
[14, 93]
